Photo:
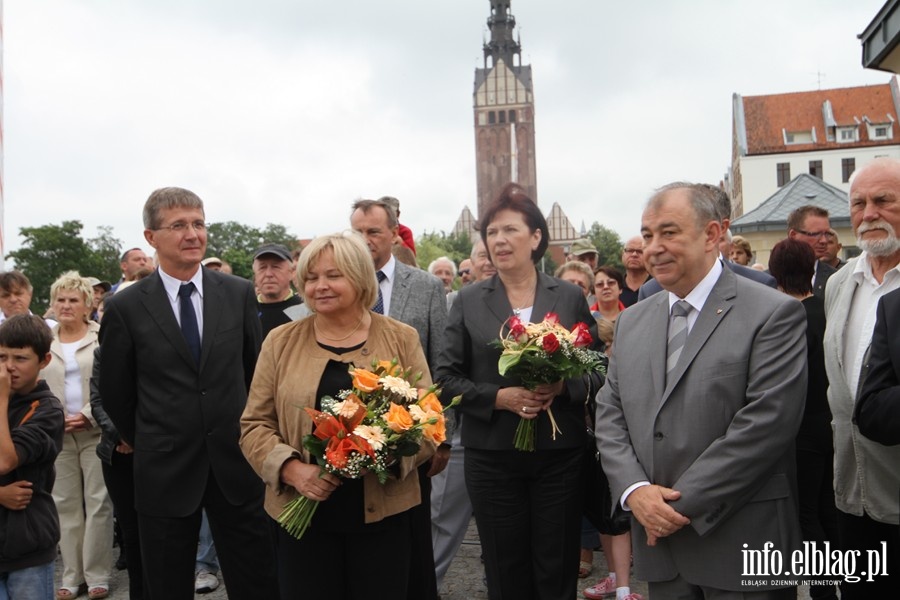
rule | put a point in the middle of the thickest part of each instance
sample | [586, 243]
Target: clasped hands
[650, 506]
[526, 403]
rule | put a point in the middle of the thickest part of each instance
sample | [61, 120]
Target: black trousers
[865, 534]
[372, 564]
[422, 578]
[119, 479]
[527, 507]
[818, 515]
[243, 541]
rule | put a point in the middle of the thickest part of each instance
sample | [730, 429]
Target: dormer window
[880, 131]
[798, 137]
[847, 134]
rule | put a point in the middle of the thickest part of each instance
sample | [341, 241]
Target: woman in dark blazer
[527, 504]
[792, 263]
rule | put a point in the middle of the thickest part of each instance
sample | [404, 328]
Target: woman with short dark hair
[527, 504]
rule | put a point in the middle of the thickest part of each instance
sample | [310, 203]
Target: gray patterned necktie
[677, 334]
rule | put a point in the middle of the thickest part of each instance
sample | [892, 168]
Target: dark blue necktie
[189, 320]
[379, 304]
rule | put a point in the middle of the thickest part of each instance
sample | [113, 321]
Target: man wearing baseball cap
[273, 271]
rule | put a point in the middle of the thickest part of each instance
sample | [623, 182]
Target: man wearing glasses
[810, 224]
[636, 273]
[178, 350]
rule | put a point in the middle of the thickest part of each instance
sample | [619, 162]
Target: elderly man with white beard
[866, 474]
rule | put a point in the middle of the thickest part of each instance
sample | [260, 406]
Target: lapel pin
[718, 311]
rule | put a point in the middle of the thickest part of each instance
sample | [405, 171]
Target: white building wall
[759, 174]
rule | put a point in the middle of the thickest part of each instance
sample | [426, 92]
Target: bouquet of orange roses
[368, 428]
[540, 353]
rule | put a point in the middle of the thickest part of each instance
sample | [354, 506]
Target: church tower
[504, 112]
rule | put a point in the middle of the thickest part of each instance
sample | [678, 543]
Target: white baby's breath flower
[399, 386]
[372, 434]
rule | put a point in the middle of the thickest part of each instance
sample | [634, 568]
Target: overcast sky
[285, 111]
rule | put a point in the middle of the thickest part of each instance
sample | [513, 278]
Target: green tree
[107, 250]
[432, 245]
[608, 245]
[235, 243]
[50, 250]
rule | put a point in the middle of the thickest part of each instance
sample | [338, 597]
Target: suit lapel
[717, 305]
[399, 291]
[160, 309]
[213, 303]
[657, 340]
[495, 299]
[545, 297]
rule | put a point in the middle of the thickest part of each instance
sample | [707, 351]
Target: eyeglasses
[608, 283]
[637, 251]
[816, 234]
[464, 272]
[182, 227]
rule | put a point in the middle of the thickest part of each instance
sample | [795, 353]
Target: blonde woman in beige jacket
[85, 511]
[298, 364]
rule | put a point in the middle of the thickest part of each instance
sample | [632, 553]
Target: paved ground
[464, 580]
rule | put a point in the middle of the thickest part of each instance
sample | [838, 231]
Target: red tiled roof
[766, 116]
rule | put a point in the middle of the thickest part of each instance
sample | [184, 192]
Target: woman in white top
[85, 511]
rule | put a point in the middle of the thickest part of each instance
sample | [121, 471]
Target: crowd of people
[743, 409]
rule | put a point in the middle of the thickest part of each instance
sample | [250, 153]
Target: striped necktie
[678, 333]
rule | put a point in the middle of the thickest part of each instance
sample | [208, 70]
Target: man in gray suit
[696, 422]
[866, 477]
[414, 297]
[722, 207]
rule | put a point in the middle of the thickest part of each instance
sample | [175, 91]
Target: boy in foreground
[31, 432]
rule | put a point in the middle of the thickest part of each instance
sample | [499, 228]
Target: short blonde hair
[351, 257]
[577, 265]
[605, 331]
[71, 281]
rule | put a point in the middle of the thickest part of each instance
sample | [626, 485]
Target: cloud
[284, 111]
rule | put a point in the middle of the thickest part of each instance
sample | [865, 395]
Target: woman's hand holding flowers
[523, 402]
[309, 480]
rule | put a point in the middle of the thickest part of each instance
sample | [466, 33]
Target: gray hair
[433, 264]
[700, 196]
[168, 197]
[367, 205]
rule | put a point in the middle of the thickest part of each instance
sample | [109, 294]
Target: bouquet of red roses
[383, 418]
[540, 353]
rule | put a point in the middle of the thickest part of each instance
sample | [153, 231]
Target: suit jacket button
[658, 436]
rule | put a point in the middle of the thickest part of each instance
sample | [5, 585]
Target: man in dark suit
[179, 349]
[722, 207]
[696, 422]
[810, 224]
[877, 412]
[414, 297]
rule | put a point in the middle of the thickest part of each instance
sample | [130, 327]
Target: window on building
[798, 137]
[848, 134]
[881, 132]
[492, 117]
[512, 116]
[848, 165]
[502, 116]
[815, 168]
[784, 173]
